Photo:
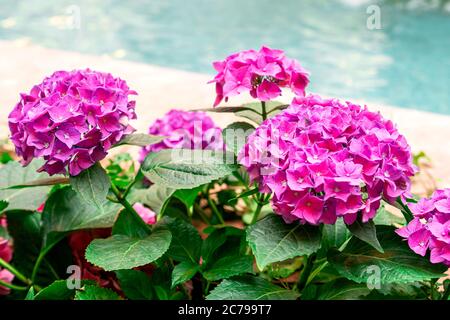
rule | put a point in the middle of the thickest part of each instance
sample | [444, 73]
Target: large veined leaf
[273, 240]
[123, 252]
[366, 232]
[185, 168]
[13, 174]
[92, 185]
[228, 266]
[250, 288]
[360, 262]
[140, 139]
[65, 210]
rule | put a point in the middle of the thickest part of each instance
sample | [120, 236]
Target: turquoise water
[406, 63]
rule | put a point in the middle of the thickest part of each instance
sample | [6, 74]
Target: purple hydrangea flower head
[324, 158]
[71, 119]
[184, 129]
[261, 73]
[430, 228]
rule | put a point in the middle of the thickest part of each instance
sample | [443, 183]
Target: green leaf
[216, 239]
[93, 292]
[135, 284]
[123, 252]
[92, 185]
[58, 290]
[366, 232]
[360, 262]
[341, 289]
[228, 266]
[235, 135]
[250, 288]
[140, 139]
[65, 210]
[273, 240]
[13, 174]
[183, 272]
[186, 242]
[246, 194]
[30, 294]
[156, 197]
[227, 109]
[335, 235]
[50, 181]
[3, 205]
[185, 168]
[131, 225]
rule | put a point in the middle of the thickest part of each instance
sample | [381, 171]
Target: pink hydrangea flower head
[71, 120]
[148, 215]
[324, 158]
[261, 73]
[429, 231]
[184, 129]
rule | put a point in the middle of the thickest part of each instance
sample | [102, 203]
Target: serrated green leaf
[216, 239]
[93, 292]
[13, 174]
[228, 266]
[360, 262]
[272, 108]
[235, 135]
[123, 252]
[185, 168]
[92, 185]
[188, 196]
[183, 272]
[250, 288]
[135, 284]
[385, 217]
[273, 240]
[66, 211]
[140, 139]
[186, 241]
[366, 232]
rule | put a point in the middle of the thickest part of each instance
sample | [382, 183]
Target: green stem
[263, 109]
[12, 286]
[127, 205]
[215, 210]
[306, 272]
[201, 213]
[260, 204]
[14, 271]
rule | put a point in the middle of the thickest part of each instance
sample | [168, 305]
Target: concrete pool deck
[23, 64]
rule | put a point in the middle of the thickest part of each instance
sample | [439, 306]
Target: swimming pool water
[406, 63]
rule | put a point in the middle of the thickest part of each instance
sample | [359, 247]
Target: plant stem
[14, 271]
[127, 205]
[306, 272]
[263, 109]
[258, 208]
[12, 286]
[216, 211]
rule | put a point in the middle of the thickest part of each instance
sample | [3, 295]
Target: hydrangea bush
[306, 200]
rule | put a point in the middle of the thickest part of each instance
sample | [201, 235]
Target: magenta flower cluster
[71, 119]
[430, 228]
[184, 129]
[325, 158]
[261, 73]
[6, 253]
